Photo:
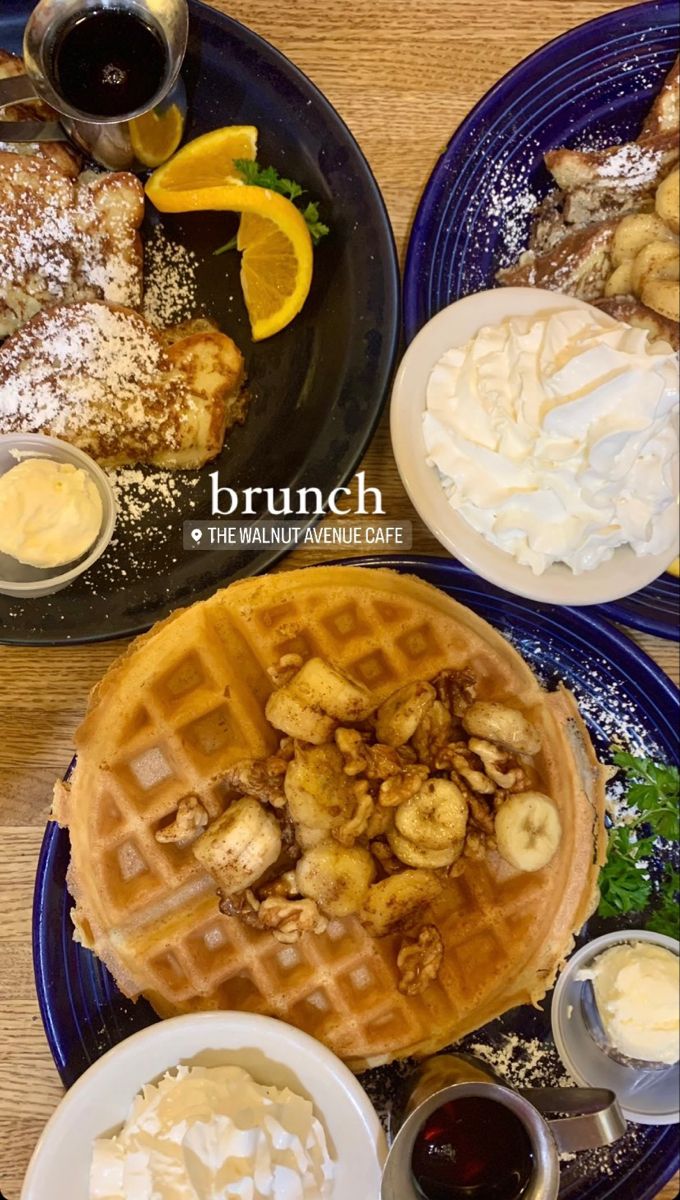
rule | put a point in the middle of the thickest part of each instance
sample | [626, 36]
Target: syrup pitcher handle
[16, 90]
[597, 1119]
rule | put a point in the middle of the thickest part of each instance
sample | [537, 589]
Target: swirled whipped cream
[213, 1133]
[556, 438]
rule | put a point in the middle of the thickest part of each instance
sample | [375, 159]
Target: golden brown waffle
[187, 700]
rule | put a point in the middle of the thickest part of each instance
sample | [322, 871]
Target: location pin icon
[197, 534]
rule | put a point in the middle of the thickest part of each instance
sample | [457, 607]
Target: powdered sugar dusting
[170, 288]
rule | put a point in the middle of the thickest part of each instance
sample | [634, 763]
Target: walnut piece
[355, 753]
[190, 820]
[259, 777]
[500, 766]
[290, 919]
[456, 690]
[388, 861]
[397, 788]
[419, 961]
[283, 671]
[348, 831]
[460, 760]
[433, 733]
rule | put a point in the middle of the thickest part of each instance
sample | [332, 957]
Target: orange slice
[156, 135]
[277, 253]
[674, 568]
[207, 161]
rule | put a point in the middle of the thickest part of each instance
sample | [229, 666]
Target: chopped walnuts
[259, 777]
[419, 961]
[290, 919]
[398, 788]
[190, 820]
[356, 825]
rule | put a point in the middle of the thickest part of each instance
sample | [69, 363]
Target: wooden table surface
[402, 75]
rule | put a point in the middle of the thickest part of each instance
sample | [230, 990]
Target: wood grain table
[402, 75]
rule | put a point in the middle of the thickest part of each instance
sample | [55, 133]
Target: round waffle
[187, 700]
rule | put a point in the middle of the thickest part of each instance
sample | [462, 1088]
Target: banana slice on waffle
[169, 730]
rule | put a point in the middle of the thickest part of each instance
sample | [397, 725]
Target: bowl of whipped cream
[537, 438]
[212, 1105]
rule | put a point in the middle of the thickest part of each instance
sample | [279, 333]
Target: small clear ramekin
[24, 582]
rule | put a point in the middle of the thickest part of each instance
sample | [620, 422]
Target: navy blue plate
[592, 86]
[318, 386]
[624, 697]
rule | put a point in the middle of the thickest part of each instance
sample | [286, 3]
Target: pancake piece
[100, 377]
[187, 701]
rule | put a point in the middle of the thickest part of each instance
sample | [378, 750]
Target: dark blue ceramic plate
[591, 87]
[623, 697]
[318, 386]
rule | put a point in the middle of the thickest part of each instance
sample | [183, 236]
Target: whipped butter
[213, 1133]
[556, 438]
[636, 988]
[50, 512]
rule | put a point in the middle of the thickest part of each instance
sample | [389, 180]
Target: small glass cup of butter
[57, 514]
[615, 1021]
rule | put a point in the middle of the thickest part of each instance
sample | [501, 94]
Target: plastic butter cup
[25, 582]
[648, 1093]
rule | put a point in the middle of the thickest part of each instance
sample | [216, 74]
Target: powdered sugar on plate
[170, 288]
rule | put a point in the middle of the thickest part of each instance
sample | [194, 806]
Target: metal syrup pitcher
[109, 140]
[588, 1117]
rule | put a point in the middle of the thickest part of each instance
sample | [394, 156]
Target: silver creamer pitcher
[588, 1118]
[110, 140]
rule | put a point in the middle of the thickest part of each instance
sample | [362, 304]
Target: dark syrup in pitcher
[108, 62]
[472, 1149]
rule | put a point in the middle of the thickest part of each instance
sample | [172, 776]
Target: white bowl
[273, 1053]
[625, 573]
[18, 579]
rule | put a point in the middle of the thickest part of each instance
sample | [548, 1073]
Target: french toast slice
[664, 115]
[64, 240]
[62, 155]
[577, 265]
[100, 377]
[631, 311]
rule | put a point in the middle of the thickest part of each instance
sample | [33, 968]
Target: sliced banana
[292, 714]
[505, 726]
[650, 262]
[308, 706]
[335, 693]
[620, 282]
[528, 830]
[435, 817]
[391, 901]
[667, 200]
[240, 845]
[318, 792]
[337, 878]
[635, 231]
[400, 715]
[423, 856]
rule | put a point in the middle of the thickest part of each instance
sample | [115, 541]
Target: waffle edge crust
[187, 699]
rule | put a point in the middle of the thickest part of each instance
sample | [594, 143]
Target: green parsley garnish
[626, 886]
[268, 177]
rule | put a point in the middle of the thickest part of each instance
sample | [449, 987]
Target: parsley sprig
[268, 177]
[626, 884]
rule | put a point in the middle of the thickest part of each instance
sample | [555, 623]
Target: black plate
[318, 387]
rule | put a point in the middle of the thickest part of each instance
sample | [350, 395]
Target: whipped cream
[213, 1133]
[636, 990]
[50, 512]
[556, 438]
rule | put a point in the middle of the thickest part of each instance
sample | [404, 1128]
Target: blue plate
[624, 697]
[592, 86]
[317, 387]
